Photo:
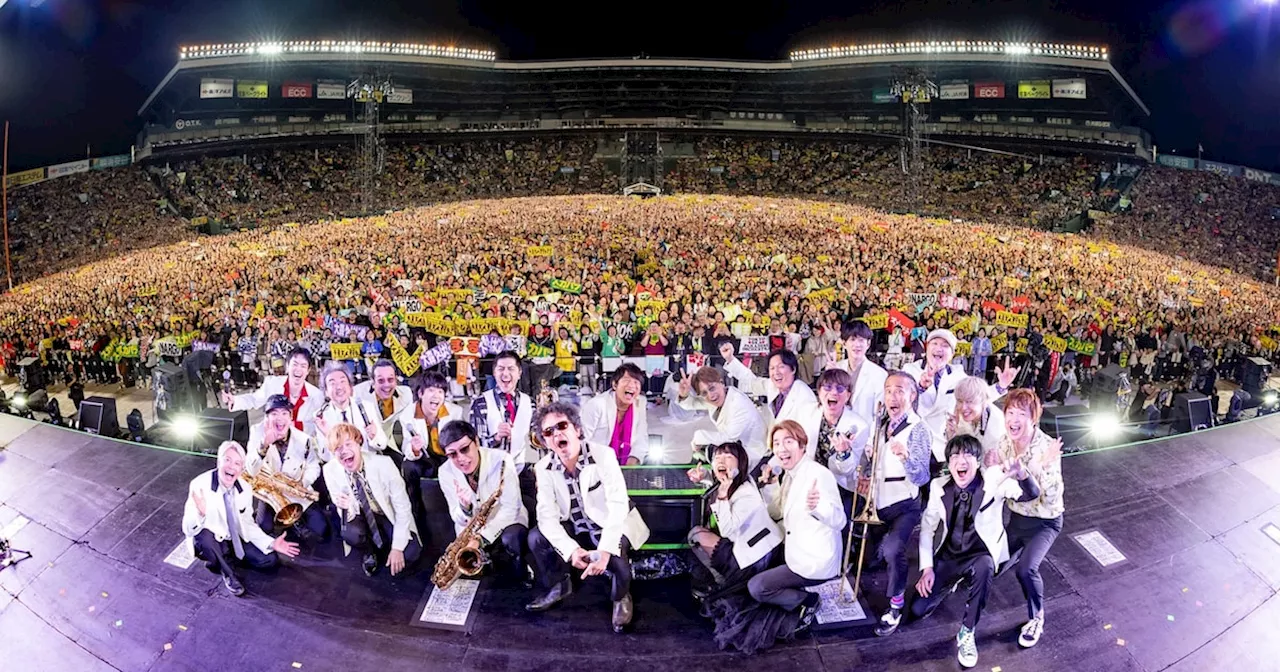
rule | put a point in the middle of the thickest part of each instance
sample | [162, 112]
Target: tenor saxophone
[288, 496]
[465, 555]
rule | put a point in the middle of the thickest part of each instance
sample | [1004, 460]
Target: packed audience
[713, 268]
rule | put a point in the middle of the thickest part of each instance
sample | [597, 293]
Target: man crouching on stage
[218, 518]
[582, 505]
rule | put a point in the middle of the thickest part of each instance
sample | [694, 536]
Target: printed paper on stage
[1099, 547]
[183, 555]
[451, 607]
[835, 608]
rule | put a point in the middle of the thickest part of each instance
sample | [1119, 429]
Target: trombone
[869, 516]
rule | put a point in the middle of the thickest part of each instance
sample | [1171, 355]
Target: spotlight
[657, 452]
[185, 426]
[1270, 397]
[1105, 426]
[19, 401]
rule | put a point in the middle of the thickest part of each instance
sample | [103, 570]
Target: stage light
[657, 452]
[19, 401]
[185, 426]
[1270, 397]
[1105, 426]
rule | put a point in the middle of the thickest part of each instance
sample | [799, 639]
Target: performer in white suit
[218, 519]
[836, 433]
[372, 503]
[503, 417]
[806, 504]
[421, 423]
[277, 447]
[389, 397]
[963, 532]
[748, 537]
[469, 477]
[867, 384]
[341, 407]
[585, 516]
[618, 418]
[736, 418]
[304, 397]
[788, 398]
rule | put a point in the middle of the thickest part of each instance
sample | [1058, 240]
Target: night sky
[74, 72]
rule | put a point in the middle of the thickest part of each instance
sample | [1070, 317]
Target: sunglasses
[464, 450]
[838, 389]
[550, 431]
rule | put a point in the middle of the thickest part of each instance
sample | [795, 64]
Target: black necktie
[369, 518]
[962, 513]
[344, 416]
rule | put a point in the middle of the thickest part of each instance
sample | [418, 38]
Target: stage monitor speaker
[1256, 371]
[1106, 387]
[169, 383]
[1070, 423]
[1192, 411]
[31, 374]
[218, 425]
[98, 416]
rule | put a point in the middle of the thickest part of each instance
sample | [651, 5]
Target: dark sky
[74, 72]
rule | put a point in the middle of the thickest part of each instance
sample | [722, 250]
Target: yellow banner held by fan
[344, 351]
[1055, 343]
[539, 250]
[880, 321]
[407, 363]
[999, 342]
[1005, 318]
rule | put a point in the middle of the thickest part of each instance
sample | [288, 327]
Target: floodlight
[185, 426]
[1105, 426]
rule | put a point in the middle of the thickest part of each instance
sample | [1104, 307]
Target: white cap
[944, 334]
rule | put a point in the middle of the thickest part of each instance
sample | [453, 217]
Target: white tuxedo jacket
[600, 414]
[509, 509]
[215, 512]
[843, 469]
[301, 459]
[800, 400]
[413, 426]
[487, 414]
[868, 389]
[812, 537]
[744, 519]
[604, 500]
[402, 397]
[388, 492]
[989, 519]
[358, 413]
[737, 420]
[313, 398]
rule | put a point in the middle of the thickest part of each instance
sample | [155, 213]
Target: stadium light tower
[370, 89]
[913, 88]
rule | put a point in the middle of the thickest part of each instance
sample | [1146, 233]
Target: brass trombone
[869, 516]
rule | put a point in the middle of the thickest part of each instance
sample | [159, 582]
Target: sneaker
[1031, 632]
[233, 585]
[369, 564]
[966, 648]
[889, 622]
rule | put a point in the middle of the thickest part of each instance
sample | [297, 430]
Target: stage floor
[1194, 519]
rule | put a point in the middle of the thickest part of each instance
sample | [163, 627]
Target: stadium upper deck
[247, 92]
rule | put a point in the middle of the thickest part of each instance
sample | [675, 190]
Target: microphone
[776, 469]
[733, 473]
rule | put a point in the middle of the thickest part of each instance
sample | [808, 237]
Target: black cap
[278, 401]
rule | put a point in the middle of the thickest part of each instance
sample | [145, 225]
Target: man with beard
[503, 417]
[585, 516]
[618, 418]
[377, 519]
[218, 519]
[277, 447]
[303, 396]
[387, 395]
[973, 541]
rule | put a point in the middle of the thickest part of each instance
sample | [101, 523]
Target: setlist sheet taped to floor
[837, 606]
[1101, 548]
[183, 555]
[449, 609]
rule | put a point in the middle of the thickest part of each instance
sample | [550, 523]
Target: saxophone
[285, 495]
[465, 556]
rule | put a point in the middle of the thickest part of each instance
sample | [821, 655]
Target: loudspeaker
[169, 382]
[1069, 423]
[1192, 411]
[31, 374]
[98, 416]
[1255, 372]
[218, 425]
[1106, 385]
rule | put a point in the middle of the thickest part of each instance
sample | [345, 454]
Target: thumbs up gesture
[814, 496]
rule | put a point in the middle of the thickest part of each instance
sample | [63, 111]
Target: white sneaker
[966, 648]
[1031, 632]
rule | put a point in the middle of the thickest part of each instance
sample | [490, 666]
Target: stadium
[333, 276]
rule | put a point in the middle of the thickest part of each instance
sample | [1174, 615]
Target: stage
[1188, 528]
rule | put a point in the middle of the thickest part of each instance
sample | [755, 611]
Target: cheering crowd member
[304, 397]
[735, 417]
[1033, 524]
[618, 418]
[469, 477]
[806, 504]
[866, 384]
[966, 517]
[387, 395]
[786, 399]
[276, 446]
[372, 503]
[976, 416]
[504, 418]
[905, 444]
[585, 516]
[218, 519]
[341, 407]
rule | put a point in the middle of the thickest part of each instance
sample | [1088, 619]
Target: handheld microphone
[776, 469]
[733, 473]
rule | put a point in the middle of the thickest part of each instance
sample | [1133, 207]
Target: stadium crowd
[668, 277]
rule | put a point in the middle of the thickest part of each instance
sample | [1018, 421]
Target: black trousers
[511, 543]
[219, 556]
[893, 536]
[313, 520]
[356, 534]
[979, 570]
[529, 491]
[413, 472]
[1034, 536]
[780, 586]
[552, 569]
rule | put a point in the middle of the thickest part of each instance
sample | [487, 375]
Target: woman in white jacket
[748, 537]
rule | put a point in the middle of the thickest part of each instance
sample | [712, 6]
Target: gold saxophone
[465, 556]
[285, 495]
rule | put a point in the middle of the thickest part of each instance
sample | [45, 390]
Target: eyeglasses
[838, 389]
[561, 426]
[462, 451]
